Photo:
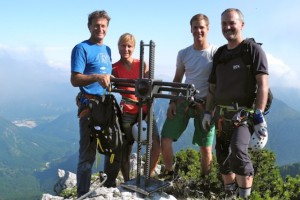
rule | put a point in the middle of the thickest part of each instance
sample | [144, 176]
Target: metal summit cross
[146, 89]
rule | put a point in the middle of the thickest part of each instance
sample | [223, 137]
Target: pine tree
[267, 184]
[267, 179]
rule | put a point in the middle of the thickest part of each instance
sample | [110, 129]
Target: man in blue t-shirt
[91, 71]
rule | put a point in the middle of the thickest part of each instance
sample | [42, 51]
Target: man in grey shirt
[195, 62]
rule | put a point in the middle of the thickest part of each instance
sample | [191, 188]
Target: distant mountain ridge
[282, 121]
[290, 96]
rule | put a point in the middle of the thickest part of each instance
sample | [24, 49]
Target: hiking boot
[230, 195]
[166, 175]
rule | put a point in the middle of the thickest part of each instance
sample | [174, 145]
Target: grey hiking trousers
[232, 146]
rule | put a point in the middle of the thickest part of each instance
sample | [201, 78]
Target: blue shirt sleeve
[78, 59]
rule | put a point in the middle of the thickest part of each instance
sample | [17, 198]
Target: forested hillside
[290, 170]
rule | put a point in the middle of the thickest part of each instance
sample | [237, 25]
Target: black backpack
[106, 125]
[247, 59]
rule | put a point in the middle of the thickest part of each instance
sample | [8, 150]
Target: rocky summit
[67, 180]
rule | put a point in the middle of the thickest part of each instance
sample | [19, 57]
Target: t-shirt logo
[103, 58]
[104, 61]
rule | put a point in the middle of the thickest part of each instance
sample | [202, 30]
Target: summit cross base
[145, 186]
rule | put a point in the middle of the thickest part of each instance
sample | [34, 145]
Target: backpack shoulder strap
[217, 55]
[245, 53]
[246, 50]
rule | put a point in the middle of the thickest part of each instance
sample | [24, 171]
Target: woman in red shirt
[129, 67]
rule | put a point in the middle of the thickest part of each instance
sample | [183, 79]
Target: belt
[91, 96]
[83, 110]
[131, 101]
[232, 108]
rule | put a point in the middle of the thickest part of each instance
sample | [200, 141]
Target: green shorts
[173, 128]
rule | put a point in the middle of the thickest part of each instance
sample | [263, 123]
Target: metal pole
[150, 113]
[140, 117]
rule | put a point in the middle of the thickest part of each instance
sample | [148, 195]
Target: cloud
[28, 63]
[281, 74]
[58, 57]
[25, 71]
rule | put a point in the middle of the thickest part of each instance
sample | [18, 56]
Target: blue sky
[37, 36]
